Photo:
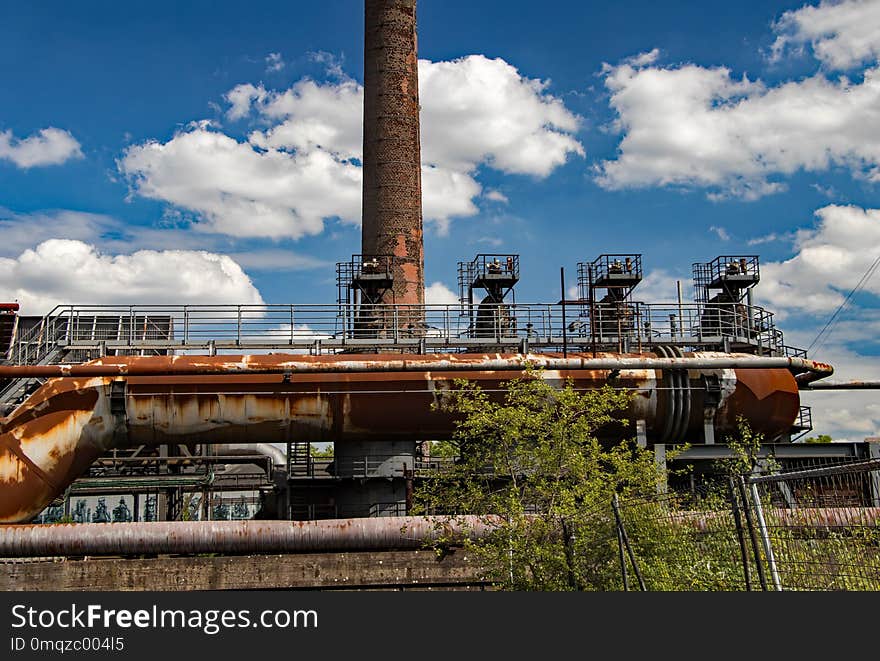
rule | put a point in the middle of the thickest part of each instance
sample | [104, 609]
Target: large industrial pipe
[392, 188]
[361, 534]
[53, 437]
[278, 456]
[275, 364]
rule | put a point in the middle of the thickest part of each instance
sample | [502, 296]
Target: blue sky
[139, 136]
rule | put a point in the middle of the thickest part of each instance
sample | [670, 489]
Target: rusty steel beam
[392, 186]
[283, 364]
[187, 537]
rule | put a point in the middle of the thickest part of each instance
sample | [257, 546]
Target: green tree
[531, 465]
[821, 438]
[745, 448]
[318, 452]
[445, 449]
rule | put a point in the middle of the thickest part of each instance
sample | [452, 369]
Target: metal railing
[631, 326]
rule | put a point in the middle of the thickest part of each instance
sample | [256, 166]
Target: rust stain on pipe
[297, 365]
[56, 434]
[362, 534]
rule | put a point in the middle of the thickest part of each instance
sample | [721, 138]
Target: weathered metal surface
[767, 399]
[278, 457]
[799, 517]
[844, 385]
[363, 570]
[49, 439]
[295, 365]
[360, 534]
[55, 435]
[392, 189]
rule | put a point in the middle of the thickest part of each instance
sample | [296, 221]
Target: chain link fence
[816, 529]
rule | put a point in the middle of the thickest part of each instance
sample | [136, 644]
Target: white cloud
[695, 127]
[278, 260]
[720, 232]
[241, 191]
[61, 271]
[23, 231]
[768, 238]
[49, 146]
[826, 191]
[274, 62]
[494, 241]
[446, 194]
[644, 59]
[305, 167]
[496, 196]
[241, 97]
[660, 286]
[478, 110]
[311, 116]
[439, 294]
[845, 415]
[841, 34]
[830, 260]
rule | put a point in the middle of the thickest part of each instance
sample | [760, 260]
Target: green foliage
[318, 452]
[821, 438]
[532, 465]
[745, 444]
[445, 449]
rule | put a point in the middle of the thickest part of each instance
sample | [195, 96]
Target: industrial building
[137, 413]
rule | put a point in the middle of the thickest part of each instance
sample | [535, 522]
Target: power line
[829, 325]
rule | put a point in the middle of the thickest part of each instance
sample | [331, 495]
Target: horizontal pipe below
[186, 537]
[331, 535]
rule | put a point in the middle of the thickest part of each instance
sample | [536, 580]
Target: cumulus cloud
[661, 286]
[845, 415]
[439, 294]
[478, 110]
[62, 271]
[240, 191]
[830, 260]
[840, 34]
[311, 116]
[49, 146]
[692, 126]
[241, 97]
[286, 179]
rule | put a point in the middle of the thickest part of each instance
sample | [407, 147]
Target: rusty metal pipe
[186, 537]
[846, 385]
[55, 435]
[255, 364]
[278, 456]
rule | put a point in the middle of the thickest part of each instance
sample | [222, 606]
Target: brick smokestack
[392, 192]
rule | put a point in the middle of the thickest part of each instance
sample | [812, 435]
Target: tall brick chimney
[392, 192]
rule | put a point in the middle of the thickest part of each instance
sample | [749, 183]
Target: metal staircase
[299, 459]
